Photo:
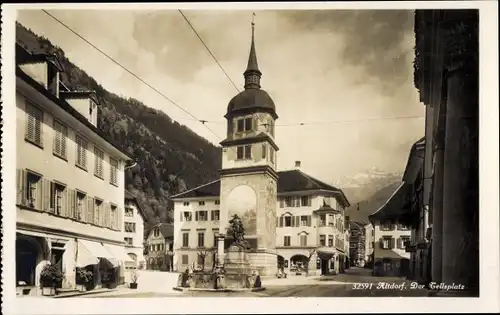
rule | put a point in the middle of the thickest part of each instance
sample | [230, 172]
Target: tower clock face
[242, 201]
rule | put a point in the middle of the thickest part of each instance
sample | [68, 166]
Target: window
[129, 212]
[216, 238]
[185, 239]
[322, 240]
[114, 216]
[156, 232]
[304, 220]
[201, 239]
[202, 215]
[129, 227]
[80, 205]
[322, 220]
[248, 124]
[113, 176]
[240, 125]
[244, 152]
[99, 160]
[386, 242]
[373, 232]
[34, 121]
[128, 241]
[305, 201]
[244, 124]
[215, 215]
[186, 203]
[286, 241]
[185, 259]
[60, 137]
[404, 240]
[271, 155]
[288, 221]
[57, 198]
[372, 245]
[303, 240]
[264, 150]
[187, 216]
[217, 202]
[386, 225]
[330, 240]
[98, 211]
[201, 203]
[403, 227]
[81, 152]
[331, 220]
[34, 191]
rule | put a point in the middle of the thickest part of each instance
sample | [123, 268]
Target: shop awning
[119, 253]
[90, 252]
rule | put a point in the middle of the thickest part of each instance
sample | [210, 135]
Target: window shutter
[181, 216]
[90, 210]
[400, 242]
[297, 221]
[46, 188]
[309, 201]
[282, 202]
[309, 219]
[297, 201]
[392, 243]
[281, 221]
[196, 216]
[277, 222]
[21, 186]
[381, 243]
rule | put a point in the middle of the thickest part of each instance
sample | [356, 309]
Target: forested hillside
[171, 158]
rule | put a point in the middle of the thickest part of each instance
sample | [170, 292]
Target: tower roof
[253, 97]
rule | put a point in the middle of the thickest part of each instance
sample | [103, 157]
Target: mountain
[171, 158]
[371, 204]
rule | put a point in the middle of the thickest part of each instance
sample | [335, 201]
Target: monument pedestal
[238, 274]
[265, 262]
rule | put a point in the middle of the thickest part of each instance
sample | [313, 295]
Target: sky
[320, 67]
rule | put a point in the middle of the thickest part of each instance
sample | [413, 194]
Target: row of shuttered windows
[388, 242]
[34, 124]
[38, 193]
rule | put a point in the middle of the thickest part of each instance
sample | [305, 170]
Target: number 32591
[362, 286]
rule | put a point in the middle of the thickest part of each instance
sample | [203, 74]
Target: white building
[391, 235]
[310, 226]
[133, 228]
[70, 180]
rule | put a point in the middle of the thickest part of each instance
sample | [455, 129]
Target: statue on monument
[238, 231]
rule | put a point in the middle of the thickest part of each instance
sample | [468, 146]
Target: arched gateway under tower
[248, 174]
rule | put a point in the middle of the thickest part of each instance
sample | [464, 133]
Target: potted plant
[134, 277]
[49, 277]
[83, 279]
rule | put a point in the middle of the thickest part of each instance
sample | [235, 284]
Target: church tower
[248, 174]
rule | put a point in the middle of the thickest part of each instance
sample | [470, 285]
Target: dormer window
[244, 124]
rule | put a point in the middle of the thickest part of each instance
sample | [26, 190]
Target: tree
[202, 254]
[308, 259]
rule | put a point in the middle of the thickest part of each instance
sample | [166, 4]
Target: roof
[131, 197]
[288, 181]
[394, 206]
[414, 161]
[251, 99]
[166, 229]
[68, 108]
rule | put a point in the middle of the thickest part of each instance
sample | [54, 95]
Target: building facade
[391, 236]
[159, 245]
[369, 245]
[357, 244]
[310, 226]
[447, 77]
[70, 180]
[133, 228]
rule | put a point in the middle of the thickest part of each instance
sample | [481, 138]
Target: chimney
[85, 102]
[297, 165]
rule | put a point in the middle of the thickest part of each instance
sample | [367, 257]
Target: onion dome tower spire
[252, 74]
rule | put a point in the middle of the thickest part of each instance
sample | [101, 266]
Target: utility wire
[208, 49]
[203, 122]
